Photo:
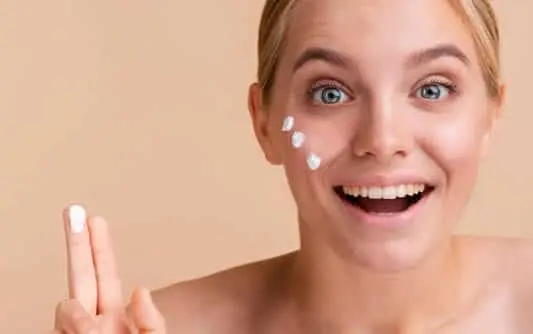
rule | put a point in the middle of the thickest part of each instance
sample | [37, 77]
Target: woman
[379, 112]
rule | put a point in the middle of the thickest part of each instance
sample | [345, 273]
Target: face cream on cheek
[288, 124]
[297, 140]
[313, 161]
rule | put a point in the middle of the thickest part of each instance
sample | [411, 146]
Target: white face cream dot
[77, 218]
[288, 124]
[297, 139]
[313, 161]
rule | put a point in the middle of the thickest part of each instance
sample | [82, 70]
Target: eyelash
[441, 82]
[332, 83]
[325, 84]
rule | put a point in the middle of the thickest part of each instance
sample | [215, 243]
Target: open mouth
[384, 200]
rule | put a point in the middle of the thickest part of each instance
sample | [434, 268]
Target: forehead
[376, 30]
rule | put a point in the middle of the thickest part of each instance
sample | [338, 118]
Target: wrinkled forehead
[376, 32]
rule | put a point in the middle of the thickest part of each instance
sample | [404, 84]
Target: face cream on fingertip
[297, 139]
[77, 218]
[288, 124]
[313, 161]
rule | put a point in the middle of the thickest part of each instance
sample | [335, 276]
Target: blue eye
[329, 95]
[434, 91]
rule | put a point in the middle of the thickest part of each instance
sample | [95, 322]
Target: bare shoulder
[225, 302]
[509, 260]
[507, 265]
[513, 256]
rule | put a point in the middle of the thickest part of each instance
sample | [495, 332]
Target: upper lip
[385, 180]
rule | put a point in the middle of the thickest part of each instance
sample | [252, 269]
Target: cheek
[311, 143]
[456, 146]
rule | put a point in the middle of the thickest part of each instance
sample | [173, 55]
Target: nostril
[382, 139]
[381, 152]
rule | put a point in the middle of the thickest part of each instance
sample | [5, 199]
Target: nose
[383, 132]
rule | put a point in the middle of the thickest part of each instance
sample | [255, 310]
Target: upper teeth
[390, 192]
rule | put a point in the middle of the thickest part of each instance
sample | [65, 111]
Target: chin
[392, 256]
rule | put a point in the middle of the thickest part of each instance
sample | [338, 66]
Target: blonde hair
[478, 15]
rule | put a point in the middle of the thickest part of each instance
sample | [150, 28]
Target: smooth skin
[350, 277]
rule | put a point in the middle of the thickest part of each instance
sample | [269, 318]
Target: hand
[95, 303]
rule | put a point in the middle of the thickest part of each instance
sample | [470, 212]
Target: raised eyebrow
[329, 56]
[444, 50]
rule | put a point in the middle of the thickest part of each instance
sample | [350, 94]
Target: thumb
[146, 317]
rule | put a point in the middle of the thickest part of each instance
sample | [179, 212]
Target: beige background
[138, 110]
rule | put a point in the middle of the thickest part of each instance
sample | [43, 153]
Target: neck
[344, 295]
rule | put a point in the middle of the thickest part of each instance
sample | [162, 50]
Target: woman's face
[389, 98]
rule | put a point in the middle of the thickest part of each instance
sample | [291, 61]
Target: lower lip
[387, 220]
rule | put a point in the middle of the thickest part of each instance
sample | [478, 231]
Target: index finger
[80, 269]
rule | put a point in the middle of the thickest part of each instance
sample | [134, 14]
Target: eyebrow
[321, 54]
[439, 51]
[416, 59]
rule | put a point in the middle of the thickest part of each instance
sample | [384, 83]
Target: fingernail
[77, 218]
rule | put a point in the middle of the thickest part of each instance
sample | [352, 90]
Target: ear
[495, 113]
[262, 124]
